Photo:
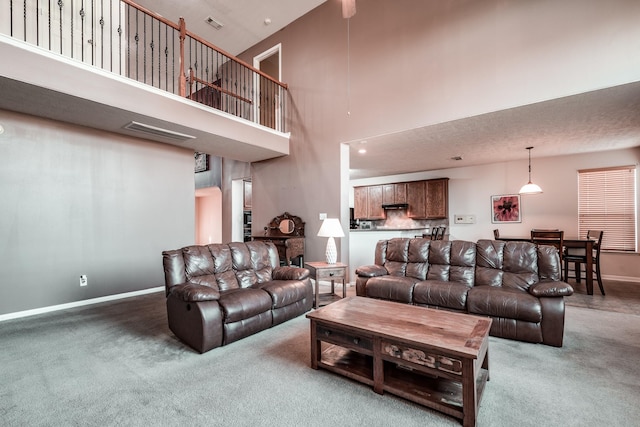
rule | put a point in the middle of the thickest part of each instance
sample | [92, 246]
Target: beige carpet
[117, 364]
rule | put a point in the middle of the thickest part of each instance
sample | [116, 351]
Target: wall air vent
[156, 131]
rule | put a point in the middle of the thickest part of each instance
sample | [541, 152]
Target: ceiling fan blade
[348, 8]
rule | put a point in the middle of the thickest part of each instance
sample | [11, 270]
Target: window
[607, 202]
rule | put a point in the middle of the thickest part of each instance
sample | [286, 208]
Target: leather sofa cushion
[441, 294]
[240, 304]
[290, 273]
[418, 258]
[394, 288]
[508, 264]
[452, 261]
[191, 292]
[198, 261]
[284, 292]
[502, 302]
[252, 263]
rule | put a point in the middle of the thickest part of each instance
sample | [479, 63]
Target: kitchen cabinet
[368, 202]
[427, 199]
[437, 198]
[417, 199]
[394, 193]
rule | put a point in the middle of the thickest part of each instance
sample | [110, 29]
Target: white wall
[78, 201]
[470, 189]
[414, 63]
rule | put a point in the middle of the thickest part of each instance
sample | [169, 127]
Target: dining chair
[441, 231]
[577, 256]
[496, 234]
[552, 238]
[434, 233]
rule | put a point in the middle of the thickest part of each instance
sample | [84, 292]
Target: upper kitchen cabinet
[437, 198]
[394, 193]
[428, 199]
[368, 202]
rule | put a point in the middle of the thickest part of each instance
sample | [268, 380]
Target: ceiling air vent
[214, 23]
[156, 131]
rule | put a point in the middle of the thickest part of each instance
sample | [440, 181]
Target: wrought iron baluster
[101, 33]
[71, 22]
[82, 15]
[152, 46]
[120, 39]
[60, 4]
[24, 20]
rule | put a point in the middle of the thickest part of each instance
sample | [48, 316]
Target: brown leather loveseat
[220, 293]
[517, 284]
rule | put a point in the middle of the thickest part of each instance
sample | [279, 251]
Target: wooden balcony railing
[124, 38]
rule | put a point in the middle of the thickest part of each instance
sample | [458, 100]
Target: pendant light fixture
[530, 187]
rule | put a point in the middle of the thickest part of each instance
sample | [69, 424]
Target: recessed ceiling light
[267, 21]
[362, 150]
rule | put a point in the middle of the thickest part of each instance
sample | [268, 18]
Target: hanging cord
[348, 68]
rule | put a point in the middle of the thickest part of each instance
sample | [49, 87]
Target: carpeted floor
[117, 364]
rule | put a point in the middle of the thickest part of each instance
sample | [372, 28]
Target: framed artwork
[506, 208]
[201, 162]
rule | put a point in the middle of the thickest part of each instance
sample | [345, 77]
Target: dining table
[569, 242]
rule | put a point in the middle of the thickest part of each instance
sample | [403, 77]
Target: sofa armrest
[290, 273]
[371, 271]
[551, 289]
[192, 292]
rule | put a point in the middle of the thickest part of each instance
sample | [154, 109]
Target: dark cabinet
[368, 202]
[394, 193]
[427, 199]
[437, 196]
[417, 199]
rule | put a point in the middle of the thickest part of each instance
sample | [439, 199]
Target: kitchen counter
[420, 230]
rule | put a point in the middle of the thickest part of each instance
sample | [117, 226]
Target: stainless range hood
[395, 205]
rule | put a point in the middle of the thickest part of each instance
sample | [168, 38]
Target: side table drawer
[419, 357]
[330, 273]
[343, 339]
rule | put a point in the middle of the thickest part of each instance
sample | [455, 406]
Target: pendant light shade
[530, 187]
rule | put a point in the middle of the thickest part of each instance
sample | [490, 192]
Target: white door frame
[256, 83]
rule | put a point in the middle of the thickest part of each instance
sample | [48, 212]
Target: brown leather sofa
[517, 284]
[220, 293]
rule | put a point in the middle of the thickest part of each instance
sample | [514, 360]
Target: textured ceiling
[606, 119]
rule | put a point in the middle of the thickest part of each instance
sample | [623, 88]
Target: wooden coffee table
[436, 358]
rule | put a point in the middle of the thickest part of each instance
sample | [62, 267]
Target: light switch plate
[464, 219]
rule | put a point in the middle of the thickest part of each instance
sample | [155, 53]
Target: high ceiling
[244, 22]
[602, 120]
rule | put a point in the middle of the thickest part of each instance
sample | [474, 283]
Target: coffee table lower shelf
[436, 392]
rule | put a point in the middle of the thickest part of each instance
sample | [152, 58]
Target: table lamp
[331, 228]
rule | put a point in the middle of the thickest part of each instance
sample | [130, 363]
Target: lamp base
[331, 253]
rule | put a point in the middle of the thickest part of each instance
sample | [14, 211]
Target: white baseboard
[27, 313]
[622, 278]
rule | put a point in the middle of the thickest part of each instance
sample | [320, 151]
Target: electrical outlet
[83, 280]
[323, 216]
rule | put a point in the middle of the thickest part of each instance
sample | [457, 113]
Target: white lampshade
[331, 228]
[530, 188]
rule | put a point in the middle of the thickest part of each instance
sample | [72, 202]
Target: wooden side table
[323, 271]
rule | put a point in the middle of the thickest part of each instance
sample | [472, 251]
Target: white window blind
[607, 202]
